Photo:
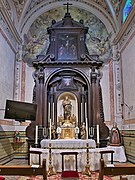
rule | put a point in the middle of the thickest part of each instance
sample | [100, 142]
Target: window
[127, 9]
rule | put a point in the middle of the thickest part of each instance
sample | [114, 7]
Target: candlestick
[36, 135]
[86, 128]
[97, 133]
[91, 131]
[50, 167]
[87, 167]
[50, 129]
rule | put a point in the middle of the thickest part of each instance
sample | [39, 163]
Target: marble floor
[25, 162]
[17, 162]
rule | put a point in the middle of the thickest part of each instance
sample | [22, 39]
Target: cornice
[10, 23]
[125, 26]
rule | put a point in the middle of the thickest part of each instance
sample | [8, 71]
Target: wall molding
[8, 25]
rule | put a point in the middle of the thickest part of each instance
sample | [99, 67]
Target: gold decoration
[67, 133]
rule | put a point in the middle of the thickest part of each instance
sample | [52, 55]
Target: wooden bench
[115, 169]
[24, 170]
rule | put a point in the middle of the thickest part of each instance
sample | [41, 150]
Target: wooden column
[51, 104]
[97, 108]
[97, 86]
[39, 118]
[94, 96]
[83, 105]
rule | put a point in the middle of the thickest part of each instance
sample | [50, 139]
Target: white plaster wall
[7, 60]
[106, 92]
[29, 84]
[128, 73]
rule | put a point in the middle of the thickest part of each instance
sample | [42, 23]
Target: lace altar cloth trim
[71, 143]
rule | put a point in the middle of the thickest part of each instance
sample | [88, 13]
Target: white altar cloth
[119, 153]
[68, 143]
[69, 160]
[94, 155]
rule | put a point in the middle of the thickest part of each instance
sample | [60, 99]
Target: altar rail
[115, 169]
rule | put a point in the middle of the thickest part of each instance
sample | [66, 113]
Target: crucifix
[67, 4]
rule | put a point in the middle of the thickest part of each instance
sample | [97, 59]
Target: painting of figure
[67, 47]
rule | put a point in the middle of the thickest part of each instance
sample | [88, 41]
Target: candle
[97, 133]
[85, 110]
[48, 111]
[53, 111]
[43, 131]
[86, 128]
[36, 135]
[50, 129]
[81, 113]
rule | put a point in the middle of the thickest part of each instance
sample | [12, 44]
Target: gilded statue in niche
[67, 106]
[67, 117]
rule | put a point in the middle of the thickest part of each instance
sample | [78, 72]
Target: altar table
[94, 157]
[119, 153]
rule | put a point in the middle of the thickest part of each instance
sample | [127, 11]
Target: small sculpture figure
[61, 119]
[115, 138]
[58, 131]
[73, 119]
[83, 131]
[76, 132]
[53, 131]
[17, 136]
[67, 106]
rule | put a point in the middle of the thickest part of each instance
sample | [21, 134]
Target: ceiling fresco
[19, 5]
[36, 40]
[24, 8]
[116, 5]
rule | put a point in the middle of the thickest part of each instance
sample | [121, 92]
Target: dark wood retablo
[69, 69]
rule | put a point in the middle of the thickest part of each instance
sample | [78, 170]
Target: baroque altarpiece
[67, 81]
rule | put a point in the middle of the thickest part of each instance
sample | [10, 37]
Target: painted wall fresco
[36, 40]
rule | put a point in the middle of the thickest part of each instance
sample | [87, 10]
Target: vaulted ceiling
[23, 11]
[32, 17]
